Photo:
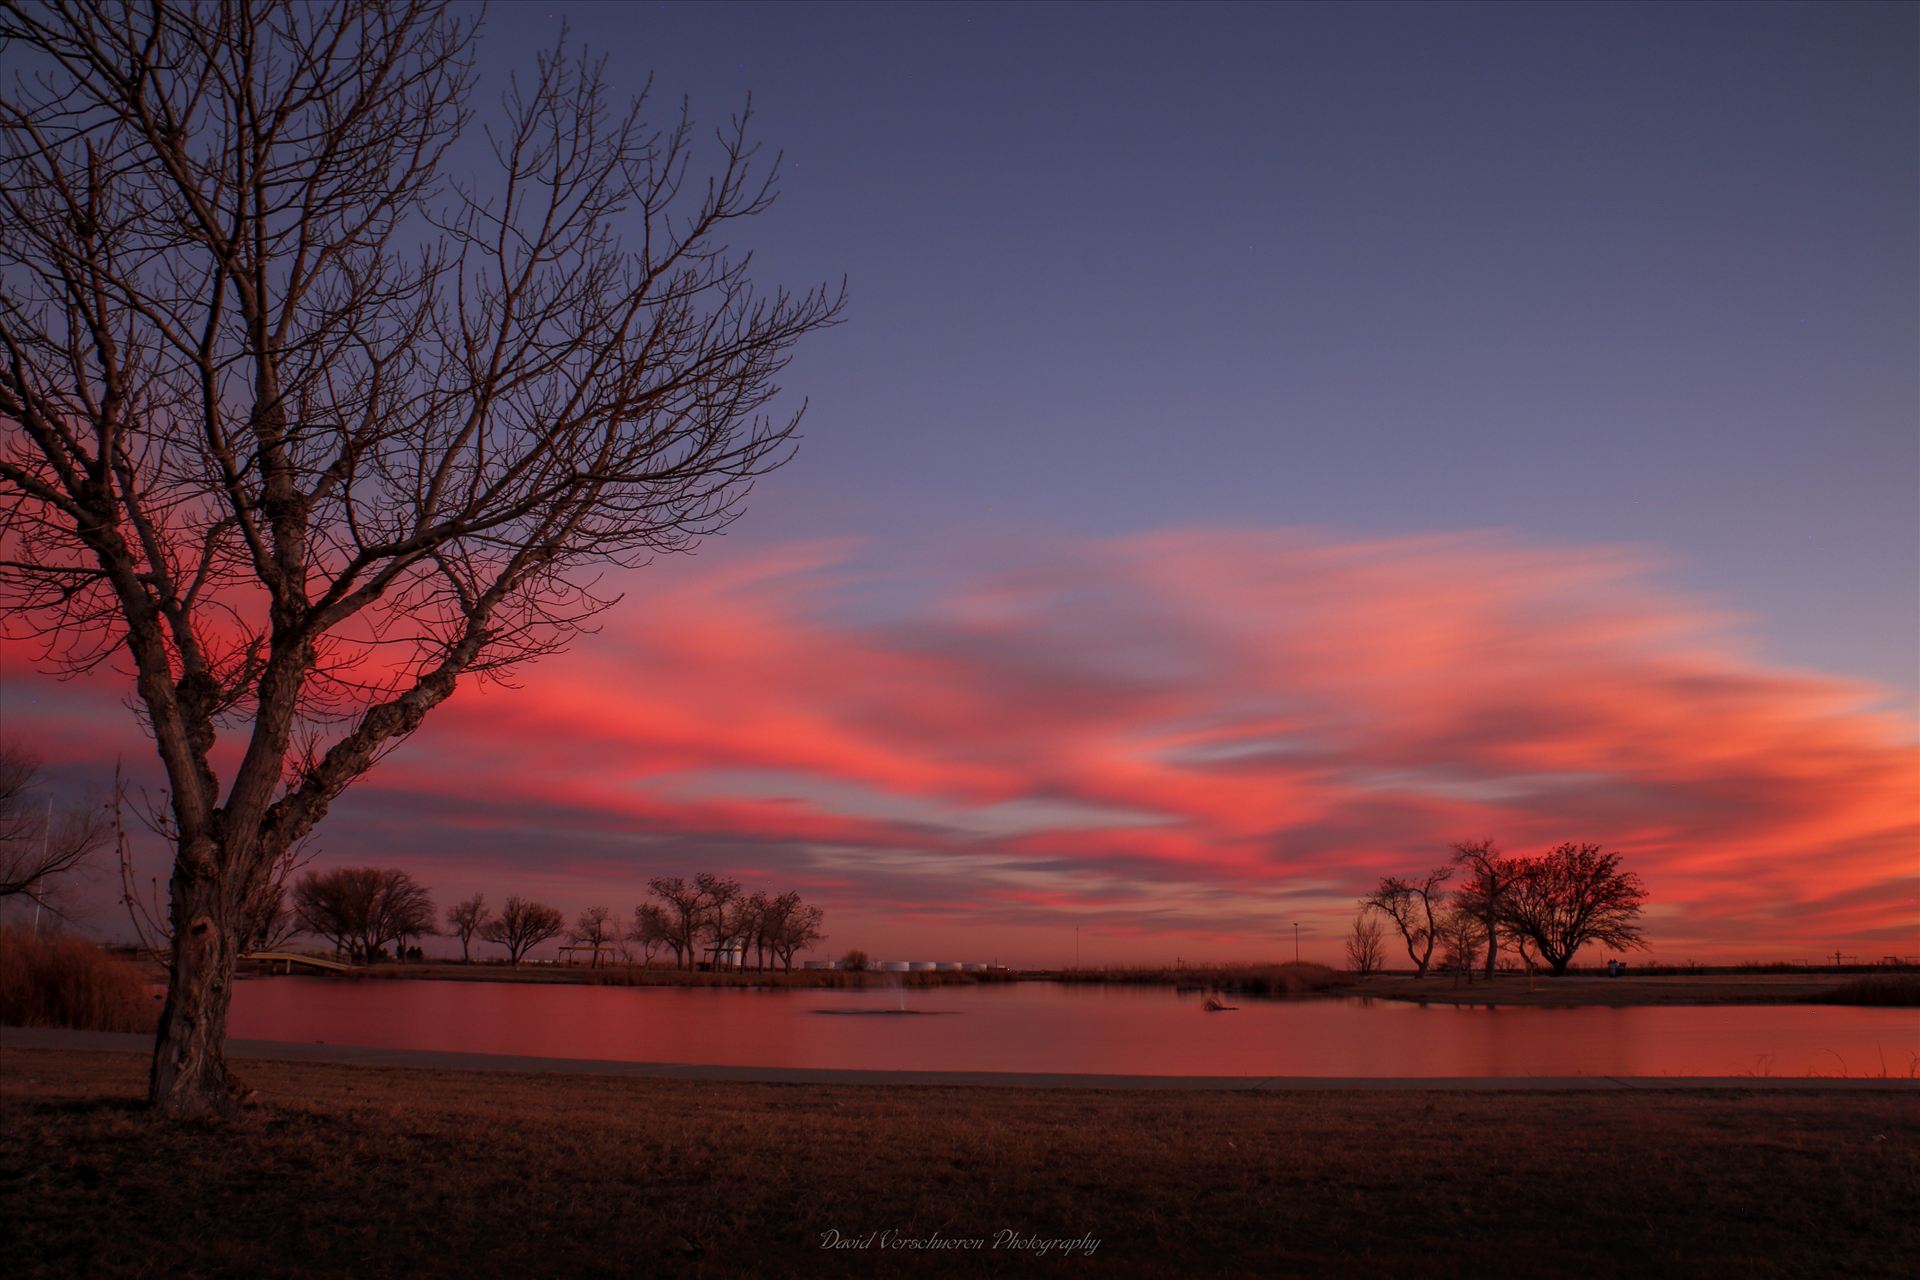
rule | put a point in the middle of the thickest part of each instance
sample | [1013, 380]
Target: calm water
[1046, 1027]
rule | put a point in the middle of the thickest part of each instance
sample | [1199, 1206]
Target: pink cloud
[1186, 739]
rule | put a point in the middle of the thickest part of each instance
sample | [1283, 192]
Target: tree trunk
[1493, 945]
[189, 1076]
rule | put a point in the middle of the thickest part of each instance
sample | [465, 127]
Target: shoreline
[48, 1039]
[1572, 990]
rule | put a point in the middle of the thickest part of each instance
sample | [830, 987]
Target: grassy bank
[1636, 989]
[358, 1171]
[1893, 990]
[620, 975]
[1240, 979]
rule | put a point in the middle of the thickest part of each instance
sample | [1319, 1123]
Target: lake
[1048, 1027]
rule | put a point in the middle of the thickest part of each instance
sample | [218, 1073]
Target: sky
[1266, 444]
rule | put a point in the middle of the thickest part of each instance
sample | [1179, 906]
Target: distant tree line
[713, 916]
[1542, 909]
[364, 911]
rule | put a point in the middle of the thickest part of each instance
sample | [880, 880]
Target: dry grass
[623, 975]
[353, 1171]
[47, 980]
[1243, 979]
[1891, 990]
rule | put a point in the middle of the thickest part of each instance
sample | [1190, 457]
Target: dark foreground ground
[361, 1171]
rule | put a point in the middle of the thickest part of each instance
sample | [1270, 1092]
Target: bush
[51, 981]
[854, 961]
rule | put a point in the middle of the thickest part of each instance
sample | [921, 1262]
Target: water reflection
[1048, 1028]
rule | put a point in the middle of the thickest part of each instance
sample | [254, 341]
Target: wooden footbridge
[290, 959]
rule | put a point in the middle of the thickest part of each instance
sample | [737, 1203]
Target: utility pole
[1296, 942]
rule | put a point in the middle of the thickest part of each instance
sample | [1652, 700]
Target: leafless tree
[361, 910]
[466, 919]
[276, 925]
[269, 920]
[1574, 895]
[652, 928]
[718, 894]
[1490, 878]
[594, 928]
[748, 923]
[1366, 945]
[522, 926]
[1414, 907]
[1462, 935]
[304, 432]
[792, 926]
[683, 910]
[39, 845]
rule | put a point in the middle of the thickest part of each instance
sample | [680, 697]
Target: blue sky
[1593, 274]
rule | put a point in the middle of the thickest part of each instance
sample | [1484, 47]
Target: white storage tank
[974, 968]
[895, 966]
[819, 964]
[945, 967]
[920, 966]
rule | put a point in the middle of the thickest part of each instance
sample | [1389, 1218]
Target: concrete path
[285, 1051]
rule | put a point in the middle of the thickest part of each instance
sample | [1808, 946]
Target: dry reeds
[54, 981]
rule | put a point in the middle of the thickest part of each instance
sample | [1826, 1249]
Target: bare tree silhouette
[363, 909]
[521, 926]
[594, 929]
[301, 432]
[1490, 878]
[1366, 945]
[40, 845]
[1414, 908]
[1573, 895]
[466, 919]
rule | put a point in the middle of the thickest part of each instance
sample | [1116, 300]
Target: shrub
[854, 961]
[52, 981]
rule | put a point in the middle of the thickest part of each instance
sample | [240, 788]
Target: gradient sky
[1267, 444]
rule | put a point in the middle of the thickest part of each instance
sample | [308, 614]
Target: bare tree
[749, 924]
[363, 909]
[1490, 878]
[1571, 896]
[652, 928]
[466, 919]
[304, 433]
[276, 925]
[1366, 945]
[1462, 935]
[522, 926]
[792, 926]
[39, 845]
[269, 920]
[594, 928]
[1413, 906]
[718, 894]
[683, 910]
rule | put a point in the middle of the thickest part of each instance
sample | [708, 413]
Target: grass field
[358, 1171]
